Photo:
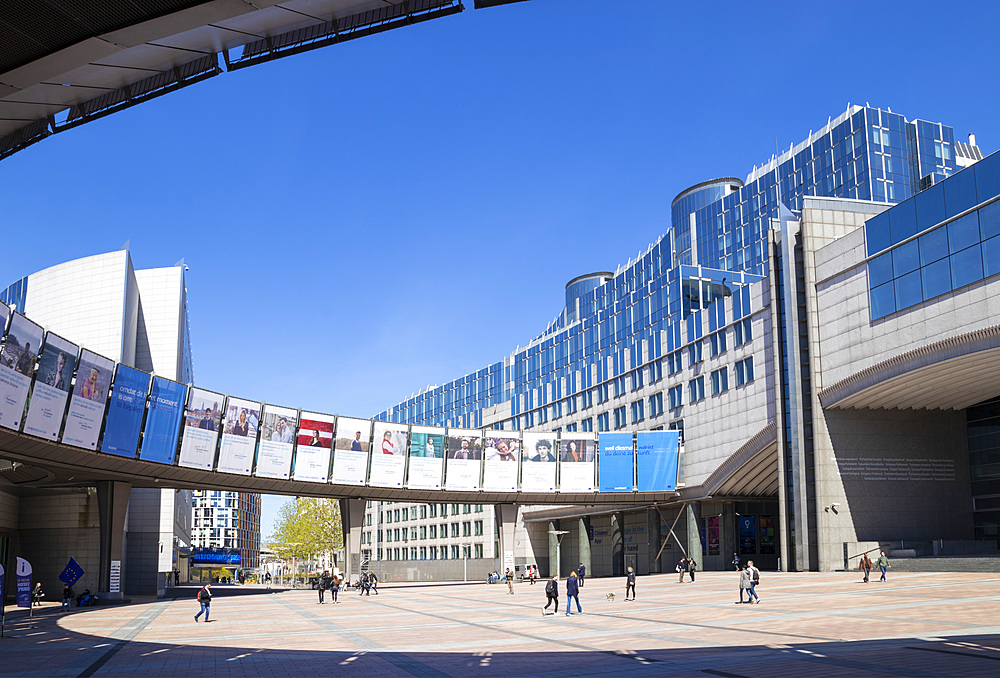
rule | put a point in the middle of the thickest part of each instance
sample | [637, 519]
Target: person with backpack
[583, 572]
[754, 580]
[334, 587]
[372, 584]
[630, 583]
[551, 595]
[205, 598]
[322, 584]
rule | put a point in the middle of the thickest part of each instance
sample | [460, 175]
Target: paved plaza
[820, 624]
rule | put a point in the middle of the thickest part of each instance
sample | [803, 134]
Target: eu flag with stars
[72, 573]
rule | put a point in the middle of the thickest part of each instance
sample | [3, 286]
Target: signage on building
[115, 581]
[215, 556]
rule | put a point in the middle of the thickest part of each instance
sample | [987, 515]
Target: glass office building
[617, 327]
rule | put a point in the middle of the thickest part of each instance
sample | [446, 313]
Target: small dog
[610, 596]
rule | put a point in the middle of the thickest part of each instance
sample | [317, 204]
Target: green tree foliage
[307, 527]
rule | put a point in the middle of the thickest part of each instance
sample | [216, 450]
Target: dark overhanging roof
[67, 62]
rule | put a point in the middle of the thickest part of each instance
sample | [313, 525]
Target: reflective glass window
[902, 222]
[989, 220]
[908, 290]
[905, 258]
[930, 207]
[960, 192]
[966, 267]
[936, 278]
[991, 255]
[883, 300]
[964, 232]
[988, 177]
[879, 271]
[877, 233]
[933, 246]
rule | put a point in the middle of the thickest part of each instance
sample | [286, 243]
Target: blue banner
[656, 461]
[214, 556]
[23, 583]
[72, 573]
[128, 400]
[163, 422]
[615, 462]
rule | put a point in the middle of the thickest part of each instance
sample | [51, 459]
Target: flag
[72, 573]
[23, 583]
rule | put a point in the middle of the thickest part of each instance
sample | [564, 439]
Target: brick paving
[822, 624]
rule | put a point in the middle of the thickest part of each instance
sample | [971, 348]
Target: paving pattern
[821, 624]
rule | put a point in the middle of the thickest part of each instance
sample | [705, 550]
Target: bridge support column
[112, 507]
[694, 548]
[583, 536]
[352, 517]
[506, 519]
[554, 553]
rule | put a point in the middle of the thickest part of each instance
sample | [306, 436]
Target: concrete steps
[972, 563]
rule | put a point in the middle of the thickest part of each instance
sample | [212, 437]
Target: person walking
[363, 584]
[736, 562]
[630, 583]
[744, 585]
[551, 595]
[583, 572]
[692, 566]
[754, 580]
[322, 583]
[334, 587]
[67, 598]
[267, 579]
[372, 584]
[681, 567]
[573, 593]
[509, 576]
[865, 566]
[37, 594]
[205, 598]
[883, 563]
[532, 573]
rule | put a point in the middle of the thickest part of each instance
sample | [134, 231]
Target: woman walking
[572, 593]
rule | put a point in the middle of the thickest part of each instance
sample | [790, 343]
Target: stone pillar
[112, 507]
[583, 535]
[554, 553]
[506, 519]
[694, 533]
[352, 517]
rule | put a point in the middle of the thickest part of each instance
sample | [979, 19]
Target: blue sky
[371, 218]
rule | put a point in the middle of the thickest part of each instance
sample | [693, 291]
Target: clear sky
[368, 219]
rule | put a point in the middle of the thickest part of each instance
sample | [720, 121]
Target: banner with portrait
[163, 421]
[388, 465]
[350, 451]
[500, 466]
[52, 386]
[277, 440]
[464, 466]
[239, 434]
[202, 422]
[577, 470]
[656, 455]
[312, 451]
[125, 410]
[538, 462]
[17, 365]
[90, 397]
[616, 462]
[426, 458]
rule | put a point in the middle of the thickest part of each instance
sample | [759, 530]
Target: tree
[307, 527]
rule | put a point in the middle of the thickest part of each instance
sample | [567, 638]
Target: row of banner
[118, 410]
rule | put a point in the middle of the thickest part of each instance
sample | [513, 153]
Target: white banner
[51, 391]
[202, 421]
[17, 365]
[312, 453]
[389, 457]
[274, 451]
[427, 445]
[465, 459]
[538, 463]
[500, 466]
[90, 396]
[351, 446]
[238, 436]
[577, 470]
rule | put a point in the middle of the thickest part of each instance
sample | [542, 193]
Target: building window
[434, 531]
[423, 511]
[694, 353]
[587, 398]
[479, 508]
[656, 405]
[413, 553]
[478, 551]
[444, 530]
[454, 529]
[466, 508]
[454, 509]
[637, 380]
[718, 341]
[720, 381]
[479, 527]
[676, 397]
[587, 425]
[423, 532]
[406, 514]
[619, 383]
[674, 362]
[444, 553]
[744, 371]
[397, 515]
[423, 553]
[638, 411]
[655, 372]
[696, 389]
[434, 510]
[454, 552]
[620, 420]
[744, 331]
[433, 551]
[602, 421]
[603, 393]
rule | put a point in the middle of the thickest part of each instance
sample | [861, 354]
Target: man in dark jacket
[205, 598]
[551, 595]
[583, 572]
[630, 583]
[572, 593]
[322, 585]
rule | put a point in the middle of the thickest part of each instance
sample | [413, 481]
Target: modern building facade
[722, 329]
[228, 520]
[139, 318]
